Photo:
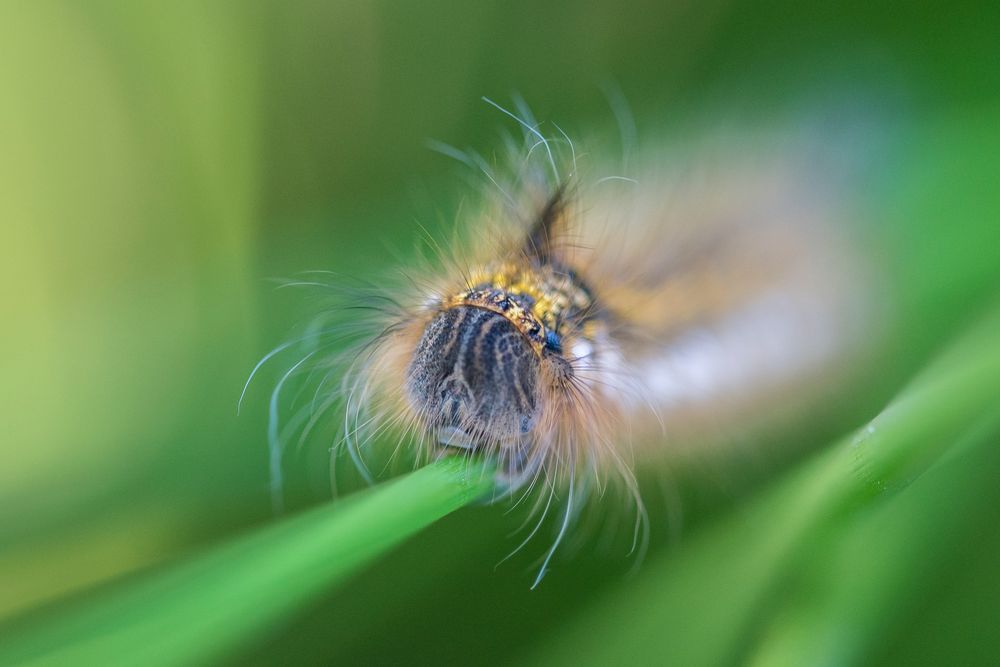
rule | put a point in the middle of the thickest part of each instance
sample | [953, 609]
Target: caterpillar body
[583, 322]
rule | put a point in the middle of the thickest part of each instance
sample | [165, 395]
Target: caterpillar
[583, 322]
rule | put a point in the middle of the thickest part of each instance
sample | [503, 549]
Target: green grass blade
[198, 609]
[705, 603]
[853, 595]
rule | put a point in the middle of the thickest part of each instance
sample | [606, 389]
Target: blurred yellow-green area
[161, 163]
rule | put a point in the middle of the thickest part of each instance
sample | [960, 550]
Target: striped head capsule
[474, 379]
[490, 360]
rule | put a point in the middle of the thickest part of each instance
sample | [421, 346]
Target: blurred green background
[162, 161]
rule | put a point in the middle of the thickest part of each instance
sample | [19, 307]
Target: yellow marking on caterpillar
[537, 300]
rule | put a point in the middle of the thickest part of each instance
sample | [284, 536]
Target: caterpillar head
[474, 378]
[479, 374]
[488, 361]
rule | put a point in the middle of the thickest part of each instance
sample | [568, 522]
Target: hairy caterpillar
[583, 321]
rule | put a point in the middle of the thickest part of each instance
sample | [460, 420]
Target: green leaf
[198, 609]
[702, 605]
